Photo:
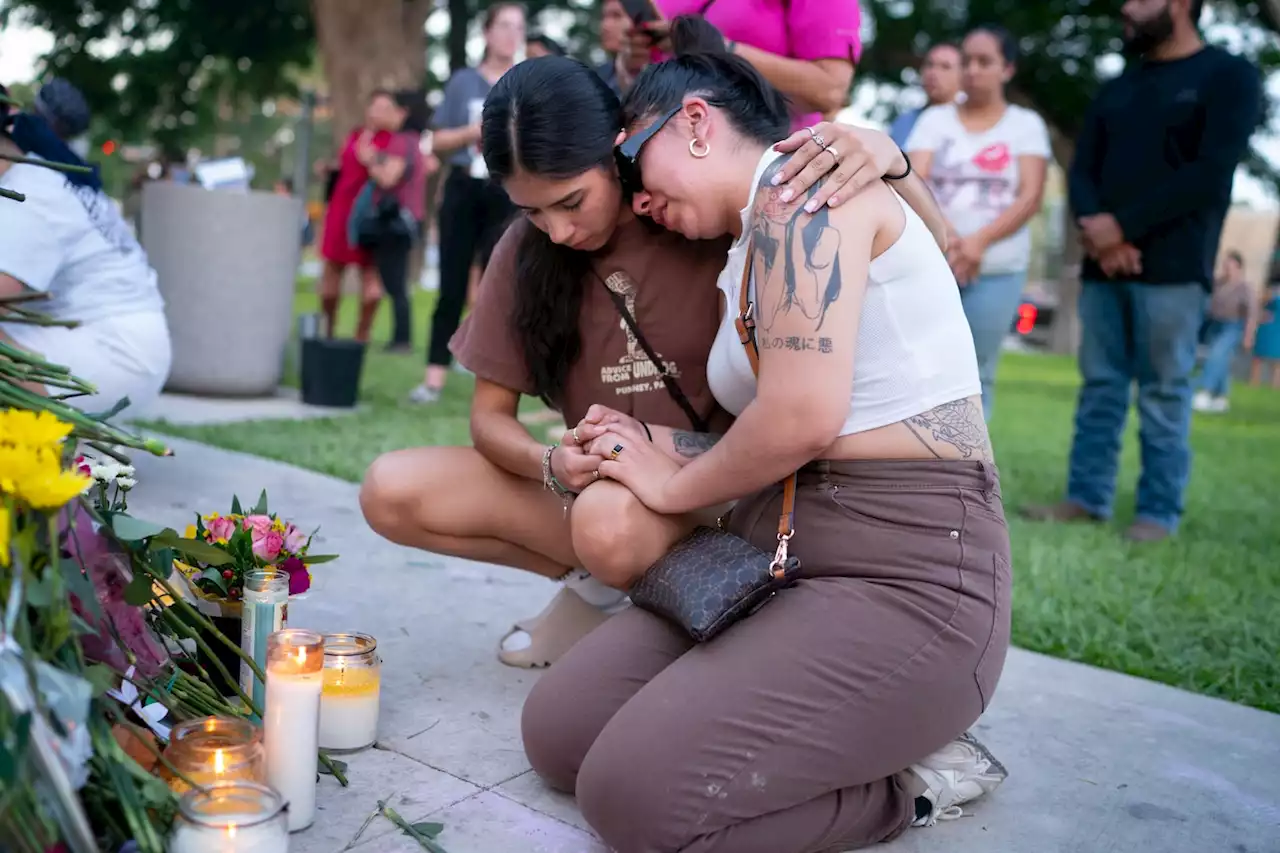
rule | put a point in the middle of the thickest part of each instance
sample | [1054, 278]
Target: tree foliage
[1065, 45]
[164, 68]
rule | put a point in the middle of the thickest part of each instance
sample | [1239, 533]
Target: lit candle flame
[219, 763]
[342, 669]
[302, 656]
[231, 830]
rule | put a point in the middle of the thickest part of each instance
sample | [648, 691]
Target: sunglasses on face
[627, 155]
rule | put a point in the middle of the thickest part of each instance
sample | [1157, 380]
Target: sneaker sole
[981, 747]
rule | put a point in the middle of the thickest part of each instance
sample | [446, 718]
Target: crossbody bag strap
[673, 388]
[746, 325]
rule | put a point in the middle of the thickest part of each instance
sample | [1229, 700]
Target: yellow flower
[53, 490]
[190, 532]
[5, 532]
[32, 429]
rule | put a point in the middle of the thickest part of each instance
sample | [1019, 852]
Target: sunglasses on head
[627, 155]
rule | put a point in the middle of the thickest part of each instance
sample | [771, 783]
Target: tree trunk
[365, 46]
[1064, 336]
[459, 21]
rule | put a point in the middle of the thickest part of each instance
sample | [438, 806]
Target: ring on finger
[595, 475]
[574, 433]
[813, 134]
[831, 149]
[617, 450]
[822, 143]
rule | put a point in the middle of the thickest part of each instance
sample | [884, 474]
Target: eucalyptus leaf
[132, 529]
[261, 507]
[429, 829]
[80, 586]
[101, 677]
[198, 551]
[138, 592]
[319, 558]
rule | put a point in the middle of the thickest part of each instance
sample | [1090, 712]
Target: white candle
[352, 686]
[230, 817]
[291, 722]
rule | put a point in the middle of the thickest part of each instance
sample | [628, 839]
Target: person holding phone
[806, 48]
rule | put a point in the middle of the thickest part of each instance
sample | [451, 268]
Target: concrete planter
[227, 264]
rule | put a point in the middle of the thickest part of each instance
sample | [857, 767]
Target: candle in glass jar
[230, 817]
[352, 688]
[266, 596]
[291, 721]
[213, 749]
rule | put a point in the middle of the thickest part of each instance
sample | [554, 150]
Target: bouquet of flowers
[253, 541]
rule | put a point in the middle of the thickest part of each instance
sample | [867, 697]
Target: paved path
[1100, 762]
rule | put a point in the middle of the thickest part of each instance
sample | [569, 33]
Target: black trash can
[331, 372]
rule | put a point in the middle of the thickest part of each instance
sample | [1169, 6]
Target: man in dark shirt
[1150, 186]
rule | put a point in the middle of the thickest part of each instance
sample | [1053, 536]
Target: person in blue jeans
[1150, 187]
[1231, 311]
[985, 160]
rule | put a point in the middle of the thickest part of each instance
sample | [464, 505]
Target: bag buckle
[778, 568]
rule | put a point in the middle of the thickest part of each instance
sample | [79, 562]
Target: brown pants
[789, 732]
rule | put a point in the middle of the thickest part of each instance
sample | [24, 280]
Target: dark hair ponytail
[556, 118]
[703, 66]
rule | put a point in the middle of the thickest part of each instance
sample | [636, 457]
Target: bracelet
[647, 431]
[904, 174]
[549, 481]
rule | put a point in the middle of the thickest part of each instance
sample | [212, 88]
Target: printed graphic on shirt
[634, 373]
[106, 220]
[984, 179]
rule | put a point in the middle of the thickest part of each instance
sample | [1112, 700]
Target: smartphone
[641, 11]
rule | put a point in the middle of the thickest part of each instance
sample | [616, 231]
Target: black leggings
[392, 258]
[473, 215]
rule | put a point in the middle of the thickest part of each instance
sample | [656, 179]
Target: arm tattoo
[959, 424]
[782, 230]
[691, 444]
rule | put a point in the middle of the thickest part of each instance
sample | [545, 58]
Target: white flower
[126, 483]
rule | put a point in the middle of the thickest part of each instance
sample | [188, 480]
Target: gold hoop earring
[693, 148]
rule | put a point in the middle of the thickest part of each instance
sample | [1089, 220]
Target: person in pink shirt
[806, 48]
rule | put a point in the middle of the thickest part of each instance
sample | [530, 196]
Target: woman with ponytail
[836, 716]
[549, 323]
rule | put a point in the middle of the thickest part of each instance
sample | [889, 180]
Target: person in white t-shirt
[72, 243]
[985, 160]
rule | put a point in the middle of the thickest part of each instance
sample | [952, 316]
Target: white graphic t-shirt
[72, 243]
[975, 175]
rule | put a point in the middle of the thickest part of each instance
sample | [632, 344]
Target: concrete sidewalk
[1099, 762]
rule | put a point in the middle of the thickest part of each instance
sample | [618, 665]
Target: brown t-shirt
[1231, 301]
[668, 283]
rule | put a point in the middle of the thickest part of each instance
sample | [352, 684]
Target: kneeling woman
[834, 717]
[584, 303]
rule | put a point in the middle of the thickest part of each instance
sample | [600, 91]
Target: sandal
[565, 621]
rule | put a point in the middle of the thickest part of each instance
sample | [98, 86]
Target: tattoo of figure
[813, 284]
[959, 424]
[691, 444]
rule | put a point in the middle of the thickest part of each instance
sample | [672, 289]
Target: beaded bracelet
[549, 481]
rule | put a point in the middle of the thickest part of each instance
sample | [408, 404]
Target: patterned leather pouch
[711, 578]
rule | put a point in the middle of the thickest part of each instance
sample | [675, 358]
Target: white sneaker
[1219, 404]
[1202, 402]
[424, 395]
[959, 773]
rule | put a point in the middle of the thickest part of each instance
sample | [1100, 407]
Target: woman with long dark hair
[583, 304]
[835, 717]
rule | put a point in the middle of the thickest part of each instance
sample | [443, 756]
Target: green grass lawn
[1201, 611]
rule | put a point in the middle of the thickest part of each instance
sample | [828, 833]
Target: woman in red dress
[383, 119]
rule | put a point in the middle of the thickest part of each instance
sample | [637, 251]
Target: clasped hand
[639, 465]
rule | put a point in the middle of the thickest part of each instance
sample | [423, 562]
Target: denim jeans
[990, 304]
[1224, 340]
[1143, 333]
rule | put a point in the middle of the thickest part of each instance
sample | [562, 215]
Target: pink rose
[266, 546]
[220, 529]
[294, 539]
[259, 524]
[299, 577]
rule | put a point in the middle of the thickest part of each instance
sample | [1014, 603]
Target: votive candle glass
[291, 722]
[352, 690]
[230, 817]
[266, 602]
[214, 749]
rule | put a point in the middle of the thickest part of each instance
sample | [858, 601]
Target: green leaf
[319, 558]
[101, 677]
[132, 529]
[40, 593]
[214, 576]
[260, 508]
[198, 551]
[79, 584]
[429, 829]
[161, 562]
[235, 506]
[81, 627]
[138, 592]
